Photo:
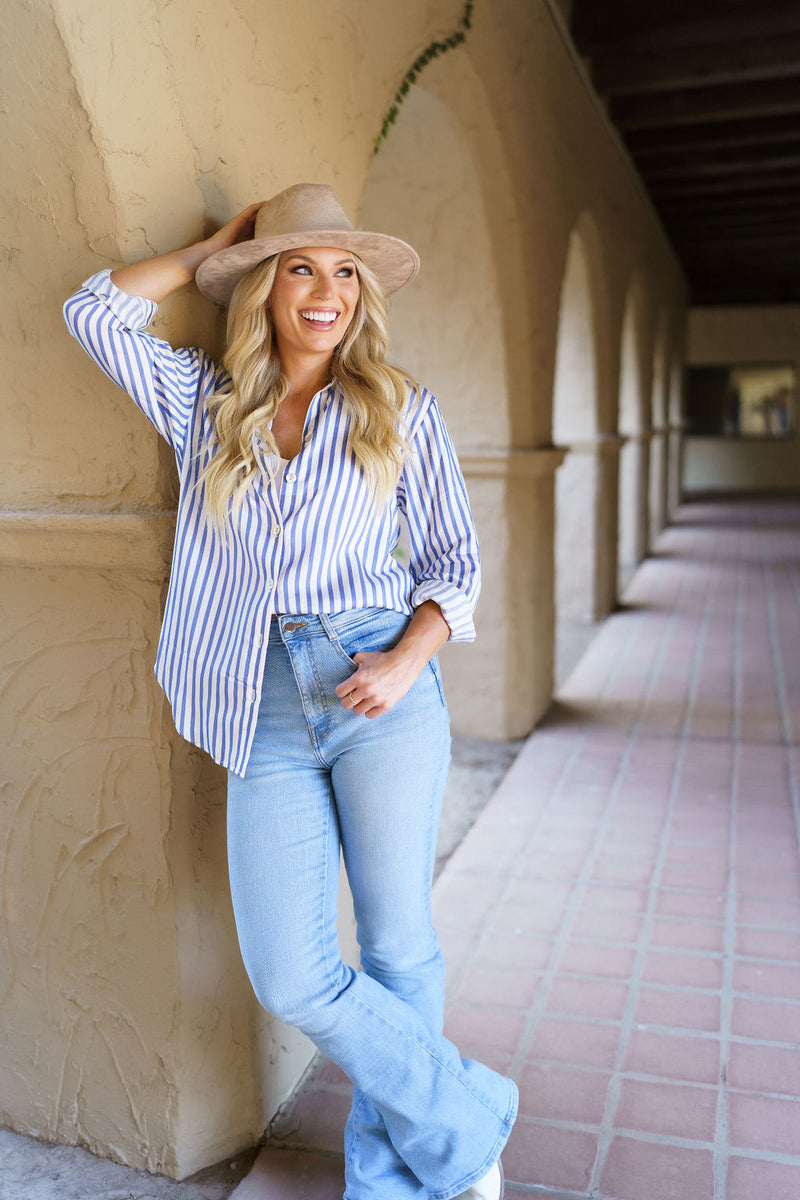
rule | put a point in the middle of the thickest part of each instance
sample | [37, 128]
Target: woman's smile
[320, 318]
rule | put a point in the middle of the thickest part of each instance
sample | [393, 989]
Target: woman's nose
[324, 286]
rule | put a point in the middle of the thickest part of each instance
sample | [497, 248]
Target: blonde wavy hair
[375, 393]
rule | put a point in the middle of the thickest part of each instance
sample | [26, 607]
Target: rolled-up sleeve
[444, 555]
[163, 382]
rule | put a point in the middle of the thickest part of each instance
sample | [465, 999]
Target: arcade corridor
[622, 924]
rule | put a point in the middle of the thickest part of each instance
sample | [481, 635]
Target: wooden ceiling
[706, 96]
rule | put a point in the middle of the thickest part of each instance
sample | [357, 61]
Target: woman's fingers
[377, 685]
[238, 229]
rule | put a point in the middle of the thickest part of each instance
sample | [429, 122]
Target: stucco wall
[743, 334]
[128, 1024]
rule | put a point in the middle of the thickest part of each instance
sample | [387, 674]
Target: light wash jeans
[425, 1123]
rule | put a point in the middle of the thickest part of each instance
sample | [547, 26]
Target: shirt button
[276, 529]
[258, 639]
[270, 585]
[290, 478]
[251, 695]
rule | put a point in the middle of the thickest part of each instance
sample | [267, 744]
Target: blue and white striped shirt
[314, 543]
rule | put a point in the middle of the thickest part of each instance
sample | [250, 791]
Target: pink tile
[589, 998]
[278, 1174]
[458, 945]
[770, 1020]
[761, 1123]
[608, 898]
[683, 970]
[758, 1068]
[581, 1043]
[767, 979]
[610, 962]
[680, 1009]
[493, 986]
[769, 885]
[525, 918]
[667, 1109]
[534, 893]
[775, 914]
[520, 950]
[550, 1157]
[672, 1056]
[768, 943]
[563, 1093]
[479, 1031]
[615, 868]
[752, 1179]
[605, 926]
[316, 1122]
[711, 877]
[328, 1075]
[706, 906]
[544, 864]
[463, 900]
[638, 1170]
[688, 935]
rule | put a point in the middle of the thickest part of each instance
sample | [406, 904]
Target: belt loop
[327, 625]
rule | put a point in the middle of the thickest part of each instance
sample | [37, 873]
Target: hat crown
[302, 208]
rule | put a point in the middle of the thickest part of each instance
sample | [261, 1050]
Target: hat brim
[393, 261]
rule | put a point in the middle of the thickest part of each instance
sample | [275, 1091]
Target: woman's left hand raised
[382, 678]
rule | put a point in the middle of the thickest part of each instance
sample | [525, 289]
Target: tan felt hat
[307, 214]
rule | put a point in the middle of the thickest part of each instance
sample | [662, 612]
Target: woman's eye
[301, 269]
[346, 271]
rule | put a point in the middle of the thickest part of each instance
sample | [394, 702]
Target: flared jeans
[425, 1123]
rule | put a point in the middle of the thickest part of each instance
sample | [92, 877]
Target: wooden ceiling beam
[731, 203]
[633, 27]
[729, 101]
[712, 168]
[735, 241]
[775, 184]
[622, 73]
[753, 131]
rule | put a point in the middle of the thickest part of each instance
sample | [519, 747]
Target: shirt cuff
[456, 609]
[134, 312]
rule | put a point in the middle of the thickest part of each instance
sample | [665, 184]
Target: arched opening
[659, 443]
[575, 425]
[633, 425]
[448, 329]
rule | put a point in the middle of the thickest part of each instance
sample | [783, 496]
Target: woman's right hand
[238, 229]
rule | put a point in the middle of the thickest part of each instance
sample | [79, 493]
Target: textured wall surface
[128, 1024]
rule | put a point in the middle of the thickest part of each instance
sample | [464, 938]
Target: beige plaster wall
[768, 333]
[128, 1022]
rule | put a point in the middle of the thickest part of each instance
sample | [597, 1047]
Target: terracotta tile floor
[622, 924]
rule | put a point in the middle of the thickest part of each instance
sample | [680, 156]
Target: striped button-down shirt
[315, 543]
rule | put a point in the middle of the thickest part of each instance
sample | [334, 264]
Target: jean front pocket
[356, 633]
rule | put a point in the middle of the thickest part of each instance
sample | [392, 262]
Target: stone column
[634, 473]
[659, 480]
[129, 1023]
[675, 434]
[502, 685]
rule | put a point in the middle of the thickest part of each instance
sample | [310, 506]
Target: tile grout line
[780, 685]
[606, 1133]
[721, 1139]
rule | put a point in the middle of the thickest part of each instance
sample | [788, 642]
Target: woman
[291, 625]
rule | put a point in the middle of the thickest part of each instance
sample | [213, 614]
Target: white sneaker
[490, 1187]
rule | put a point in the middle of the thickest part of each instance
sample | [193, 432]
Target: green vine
[435, 50]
